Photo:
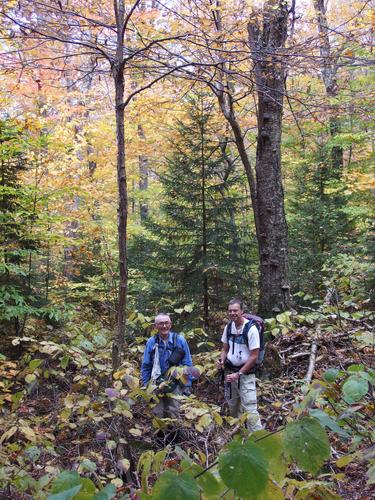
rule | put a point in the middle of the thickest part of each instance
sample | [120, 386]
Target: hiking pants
[168, 407]
[243, 398]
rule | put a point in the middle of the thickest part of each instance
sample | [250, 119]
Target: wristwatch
[240, 373]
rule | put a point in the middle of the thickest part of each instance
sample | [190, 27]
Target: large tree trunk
[266, 189]
[267, 45]
[118, 76]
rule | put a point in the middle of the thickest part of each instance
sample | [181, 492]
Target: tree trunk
[266, 46]
[118, 76]
[143, 178]
[204, 225]
[329, 77]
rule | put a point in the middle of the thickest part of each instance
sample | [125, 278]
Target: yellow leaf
[69, 401]
[135, 432]
[8, 434]
[345, 460]
[30, 378]
[205, 421]
[132, 382]
[123, 464]
[83, 401]
[28, 433]
[117, 482]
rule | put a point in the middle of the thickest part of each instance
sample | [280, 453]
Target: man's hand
[232, 377]
[220, 363]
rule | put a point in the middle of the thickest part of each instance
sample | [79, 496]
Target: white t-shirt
[239, 352]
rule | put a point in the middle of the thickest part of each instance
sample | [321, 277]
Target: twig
[314, 348]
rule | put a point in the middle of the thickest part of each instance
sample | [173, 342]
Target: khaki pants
[168, 407]
[243, 398]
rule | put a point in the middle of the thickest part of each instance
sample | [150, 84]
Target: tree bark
[329, 77]
[119, 81]
[143, 178]
[267, 45]
[204, 223]
[266, 191]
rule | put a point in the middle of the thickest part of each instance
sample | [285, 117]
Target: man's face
[235, 312]
[163, 325]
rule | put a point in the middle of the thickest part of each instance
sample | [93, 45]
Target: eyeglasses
[163, 323]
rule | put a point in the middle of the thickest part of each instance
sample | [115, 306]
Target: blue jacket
[165, 350]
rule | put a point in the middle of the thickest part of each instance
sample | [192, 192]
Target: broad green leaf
[64, 361]
[331, 374]
[158, 461]
[244, 468]
[87, 466]
[171, 486]
[106, 493]
[354, 388]
[307, 443]
[210, 485]
[271, 492]
[65, 480]
[70, 479]
[144, 465]
[356, 368]
[272, 448]
[329, 422]
[87, 491]
[35, 363]
[66, 494]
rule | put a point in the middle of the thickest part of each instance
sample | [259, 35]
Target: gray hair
[236, 301]
[159, 316]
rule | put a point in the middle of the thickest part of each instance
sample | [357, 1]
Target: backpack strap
[175, 337]
[230, 334]
[157, 342]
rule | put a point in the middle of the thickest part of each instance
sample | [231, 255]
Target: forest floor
[69, 420]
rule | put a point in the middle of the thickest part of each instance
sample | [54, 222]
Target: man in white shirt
[238, 358]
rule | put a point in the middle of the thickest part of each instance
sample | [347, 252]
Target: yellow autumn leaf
[28, 433]
[135, 432]
[8, 434]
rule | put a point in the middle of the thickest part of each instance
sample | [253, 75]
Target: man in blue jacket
[156, 361]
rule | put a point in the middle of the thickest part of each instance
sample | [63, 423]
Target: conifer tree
[199, 251]
[319, 223]
[15, 241]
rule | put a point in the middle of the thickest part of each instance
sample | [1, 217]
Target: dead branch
[314, 348]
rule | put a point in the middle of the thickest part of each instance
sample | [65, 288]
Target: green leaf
[272, 492]
[87, 465]
[66, 494]
[64, 361]
[35, 363]
[356, 368]
[68, 480]
[65, 480]
[244, 468]
[354, 388]
[272, 448]
[331, 374]
[307, 443]
[329, 422]
[171, 486]
[106, 493]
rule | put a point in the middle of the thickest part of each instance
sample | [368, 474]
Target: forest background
[168, 156]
